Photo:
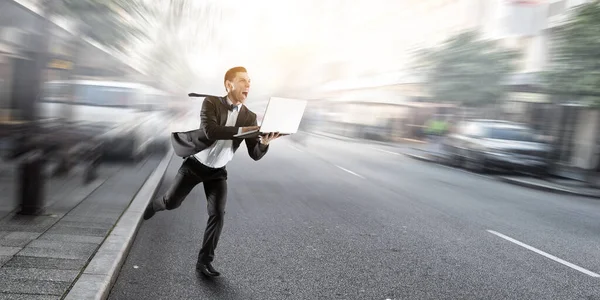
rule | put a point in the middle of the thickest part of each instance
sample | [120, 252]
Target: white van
[129, 117]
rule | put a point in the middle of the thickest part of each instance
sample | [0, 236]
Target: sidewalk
[8, 201]
[35, 254]
[41, 257]
[553, 184]
[55, 188]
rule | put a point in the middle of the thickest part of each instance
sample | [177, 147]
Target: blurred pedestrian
[435, 129]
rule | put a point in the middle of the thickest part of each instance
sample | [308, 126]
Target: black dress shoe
[149, 212]
[207, 270]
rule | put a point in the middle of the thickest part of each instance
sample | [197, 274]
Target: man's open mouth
[245, 94]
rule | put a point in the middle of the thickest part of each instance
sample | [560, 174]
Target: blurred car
[480, 145]
[129, 118]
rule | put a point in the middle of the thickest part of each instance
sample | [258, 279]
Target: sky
[297, 40]
[282, 41]
[300, 40]
[276, 38]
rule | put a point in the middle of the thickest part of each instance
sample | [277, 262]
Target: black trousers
[190, 174]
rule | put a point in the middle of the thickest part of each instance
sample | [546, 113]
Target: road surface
[343, 220]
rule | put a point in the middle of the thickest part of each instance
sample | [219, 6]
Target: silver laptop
[282, 115]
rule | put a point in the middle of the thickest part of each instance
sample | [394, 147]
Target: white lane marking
[293, 147]
[552, 257]
[385, 151]
[350, 172]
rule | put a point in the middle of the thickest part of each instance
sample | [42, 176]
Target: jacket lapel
[223, 111]
[242, 115]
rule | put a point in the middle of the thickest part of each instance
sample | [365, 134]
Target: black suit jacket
[213, 117]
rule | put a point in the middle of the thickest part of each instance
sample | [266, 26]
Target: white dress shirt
[221, 151]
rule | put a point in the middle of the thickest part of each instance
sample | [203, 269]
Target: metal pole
[31, 179]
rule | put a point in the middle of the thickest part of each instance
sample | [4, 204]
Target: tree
[575, 63]
[467, 70]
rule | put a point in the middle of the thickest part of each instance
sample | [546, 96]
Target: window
[104, 96]
[511, 134]
[55, 92]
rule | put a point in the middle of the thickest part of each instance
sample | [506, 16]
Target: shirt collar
[239, 106]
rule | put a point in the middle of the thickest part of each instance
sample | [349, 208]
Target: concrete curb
[547, 188]
[514, 181]
[96, 281]
[414, 141]
[421, 157]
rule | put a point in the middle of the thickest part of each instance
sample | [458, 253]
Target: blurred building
[68, 56]
[378, 84]
[529, 27]
[374, 87]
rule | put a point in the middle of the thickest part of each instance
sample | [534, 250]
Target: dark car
[480, 145]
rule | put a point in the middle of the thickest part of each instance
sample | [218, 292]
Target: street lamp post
[31, 167]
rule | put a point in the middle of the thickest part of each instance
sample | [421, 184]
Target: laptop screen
[283, 115]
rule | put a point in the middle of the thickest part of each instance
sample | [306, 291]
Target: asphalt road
[342, 220]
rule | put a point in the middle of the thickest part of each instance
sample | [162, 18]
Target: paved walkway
[555, 185]
[8, 201]
[55, 188]
[41, 256]
[550, 184]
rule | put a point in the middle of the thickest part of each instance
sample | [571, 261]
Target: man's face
[239, 87]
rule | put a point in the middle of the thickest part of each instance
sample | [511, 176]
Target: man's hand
[249, 128]
[267, 138]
